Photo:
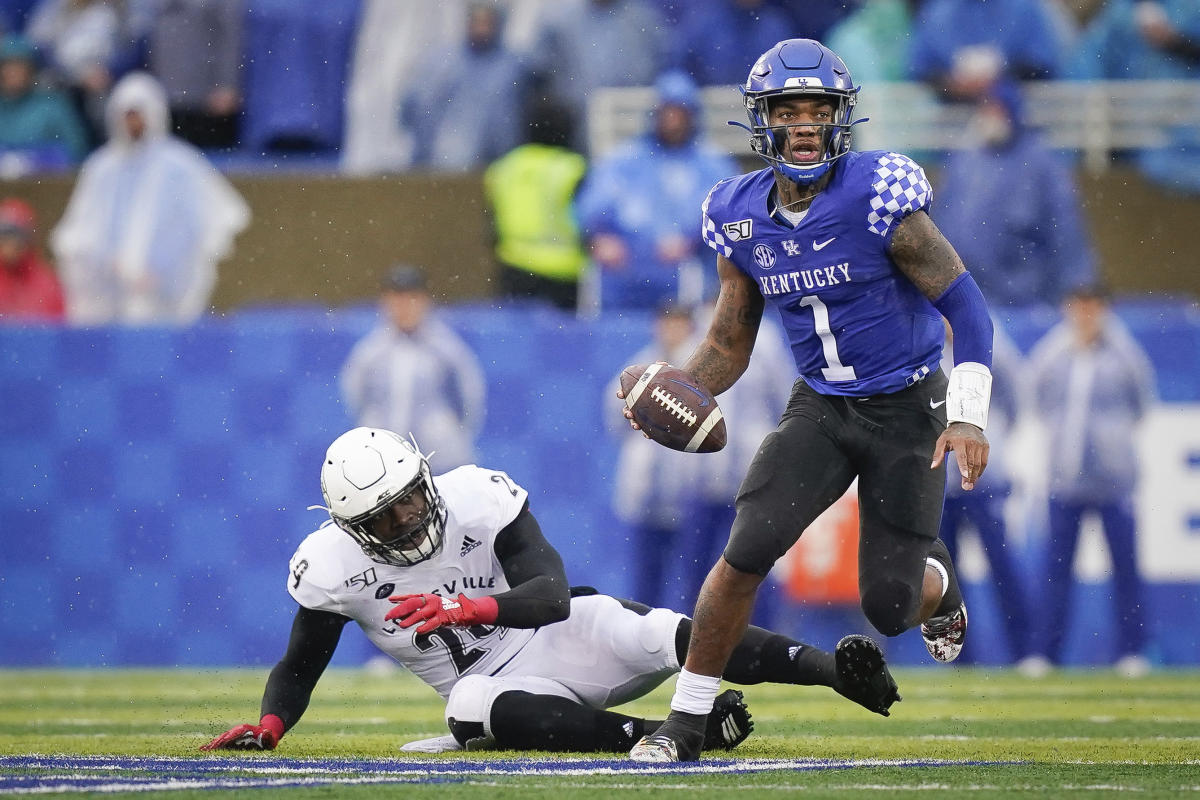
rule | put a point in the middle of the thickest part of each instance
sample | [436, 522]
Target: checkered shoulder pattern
[708, 228]
[898, 188]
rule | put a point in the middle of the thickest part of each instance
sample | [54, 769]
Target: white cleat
[655, 749]
[944, 636]
[438, 744]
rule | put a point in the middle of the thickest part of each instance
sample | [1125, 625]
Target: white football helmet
[366, 472]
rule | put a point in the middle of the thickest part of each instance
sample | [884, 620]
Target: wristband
[486, 610]
[272, 723]
[969, 394]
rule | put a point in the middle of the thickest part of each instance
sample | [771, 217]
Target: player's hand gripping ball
[673, 408]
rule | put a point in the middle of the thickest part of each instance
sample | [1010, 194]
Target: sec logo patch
[764, 256]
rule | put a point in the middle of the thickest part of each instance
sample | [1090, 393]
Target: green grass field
[1086, 733]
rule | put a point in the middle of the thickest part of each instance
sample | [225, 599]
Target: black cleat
[678, 739]
[862, 674]
[728, 723]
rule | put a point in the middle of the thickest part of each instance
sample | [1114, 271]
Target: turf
[986, 733]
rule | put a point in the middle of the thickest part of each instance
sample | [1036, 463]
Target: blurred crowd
[387, 86]
[501, 86]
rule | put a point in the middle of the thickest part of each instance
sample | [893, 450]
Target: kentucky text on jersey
[873, 334]
[804, 279]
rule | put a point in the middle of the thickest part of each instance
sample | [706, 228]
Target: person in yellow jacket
[531, 196]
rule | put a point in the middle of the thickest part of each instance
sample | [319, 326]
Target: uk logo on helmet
[805, 82]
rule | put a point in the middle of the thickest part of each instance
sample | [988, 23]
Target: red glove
[437, 611]
[263, 736]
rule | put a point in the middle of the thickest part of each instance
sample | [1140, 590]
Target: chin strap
[762, 147]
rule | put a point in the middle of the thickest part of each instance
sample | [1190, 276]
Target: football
[673, 409]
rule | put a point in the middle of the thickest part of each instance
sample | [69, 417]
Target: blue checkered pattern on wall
[154, 483]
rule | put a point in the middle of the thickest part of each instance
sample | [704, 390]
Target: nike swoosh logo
[822, 245]
[936, 405]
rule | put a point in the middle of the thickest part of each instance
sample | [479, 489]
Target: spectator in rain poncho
[148, 220]
[482, 75]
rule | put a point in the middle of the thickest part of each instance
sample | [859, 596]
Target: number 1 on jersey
[835, 371]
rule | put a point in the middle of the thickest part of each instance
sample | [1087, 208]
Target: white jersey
[329, 572]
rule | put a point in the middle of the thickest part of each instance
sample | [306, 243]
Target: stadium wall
[153, 483]
[329, 239]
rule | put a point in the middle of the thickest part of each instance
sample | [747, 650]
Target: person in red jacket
[29, 289]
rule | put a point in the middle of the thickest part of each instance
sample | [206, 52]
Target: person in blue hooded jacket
[1026, 253]
[639, 206]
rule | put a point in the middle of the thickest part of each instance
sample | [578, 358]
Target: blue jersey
[856, 325]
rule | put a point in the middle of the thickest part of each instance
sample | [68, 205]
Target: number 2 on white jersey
[835, 371]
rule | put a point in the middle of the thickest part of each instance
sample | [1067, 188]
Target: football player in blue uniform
[841, 244]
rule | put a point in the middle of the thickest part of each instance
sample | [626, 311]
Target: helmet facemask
[379, 490]
[381, 540]
[770, 142]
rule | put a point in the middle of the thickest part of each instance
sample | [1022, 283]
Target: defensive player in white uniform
[452, 577]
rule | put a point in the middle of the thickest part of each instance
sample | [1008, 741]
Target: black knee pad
[890, 606]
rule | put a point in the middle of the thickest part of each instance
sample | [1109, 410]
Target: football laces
[672, 404]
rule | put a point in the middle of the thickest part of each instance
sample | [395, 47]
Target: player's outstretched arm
[927, 259]
[314, 637]
[723, 355]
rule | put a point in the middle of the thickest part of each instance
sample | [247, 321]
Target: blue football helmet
[799, 68]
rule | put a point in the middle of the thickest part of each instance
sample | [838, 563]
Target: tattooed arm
[924, 256]
[929, 261]
[722, 357]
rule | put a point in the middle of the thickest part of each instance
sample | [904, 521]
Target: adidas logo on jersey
[468, 545]
[792, 651]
